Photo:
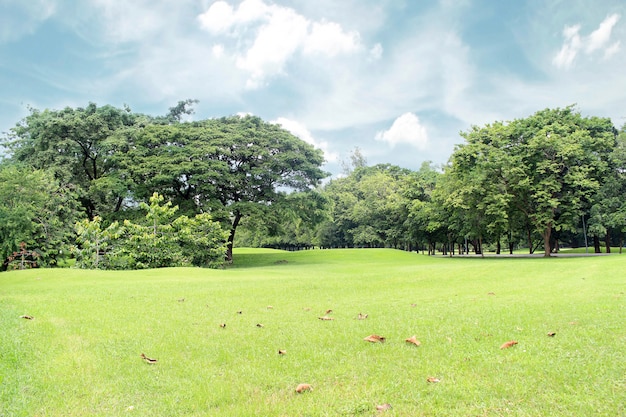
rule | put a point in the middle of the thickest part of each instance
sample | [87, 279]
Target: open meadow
[216, 336]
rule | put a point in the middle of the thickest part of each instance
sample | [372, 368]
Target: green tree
[35, 210]
[230, 167]
[77, 145]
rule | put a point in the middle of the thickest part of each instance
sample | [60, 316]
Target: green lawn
[80, 355]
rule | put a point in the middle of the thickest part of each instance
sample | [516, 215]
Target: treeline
[535, 183]
[554, 178]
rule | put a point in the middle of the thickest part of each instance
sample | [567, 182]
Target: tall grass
[80, 354]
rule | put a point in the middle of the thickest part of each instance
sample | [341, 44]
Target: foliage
[162, 240]
[232, 166]
[36, 211]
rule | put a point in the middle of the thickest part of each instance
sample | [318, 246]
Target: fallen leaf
[148, 360]
[269, 307]
[223, 325]
[329, 311]
[282, 352]
[27, 317]
[181, 300]
[303, 387]
[491, 293]
[362, 316]
[413, 305]
[552, 334]
[508, 344]
[413, 340]
[374, 338]
[384, 407]
[433, 379]
[259, 325]
[326, 318]
[240, 312]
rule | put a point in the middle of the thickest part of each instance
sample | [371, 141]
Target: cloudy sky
[397, 78]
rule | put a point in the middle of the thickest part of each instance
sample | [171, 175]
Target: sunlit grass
[80, 355]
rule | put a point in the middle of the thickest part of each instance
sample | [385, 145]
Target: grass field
[80, 355]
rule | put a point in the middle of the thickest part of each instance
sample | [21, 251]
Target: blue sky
[398, 79]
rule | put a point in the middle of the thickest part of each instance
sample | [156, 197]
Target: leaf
[384, 407]
[303, 388]
[433, 379]
[282, 352]
[329, 311]
[374, 338]
[413, 340]
[552, 334]
[361, 316]
[27, 317]
[223, 325]
[149, 360]
[508, 344]
[325, 318]
[259, 325]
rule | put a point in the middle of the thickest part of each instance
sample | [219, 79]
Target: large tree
[547, 167]
[77, 146]
[232, 167]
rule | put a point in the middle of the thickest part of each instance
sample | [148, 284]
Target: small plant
[23, 259]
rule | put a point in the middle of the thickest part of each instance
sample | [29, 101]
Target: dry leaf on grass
[361, 316]
[413, 340]
[303, 387]
[508, 344]
[223, 325]
[282, 352]
[552, 334]
[27, 317]
[148, 360]
[259, 325]
[384, 407]
[325, 318]
[432, 379]
[374, 338]
[329, 311]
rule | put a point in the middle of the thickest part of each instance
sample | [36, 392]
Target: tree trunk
[596, 244]
[546, 240]
[231, 237]
[607, 241]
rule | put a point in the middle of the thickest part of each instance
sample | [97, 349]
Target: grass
[80, 354]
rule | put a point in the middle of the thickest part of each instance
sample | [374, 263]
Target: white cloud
[376, 52]
[20, 18]
[574, 43]
[267, 36]
[301, 131]
[328, 38]
[405, 129]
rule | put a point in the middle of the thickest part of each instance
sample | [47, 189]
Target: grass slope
[80, 354]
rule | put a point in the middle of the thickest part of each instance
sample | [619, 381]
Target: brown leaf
[552, 334]
[491, 293]
[223, 325]
[326, 318]
[240, 312]
[433, 379]
[362, 316]
[384, 407]
[413, 340]
[508, 344]
[259, 325]
[269, 307]
[27, 317]
[374, 338]
[303, 387]
[329, 311]
[282, 352]
[148, 360]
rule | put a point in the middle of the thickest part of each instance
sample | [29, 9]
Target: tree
[161, 240]
[35, 211]
[547, 167]
[76, 145]
[230, 167]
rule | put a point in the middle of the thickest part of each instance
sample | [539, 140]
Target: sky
[399, 79]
